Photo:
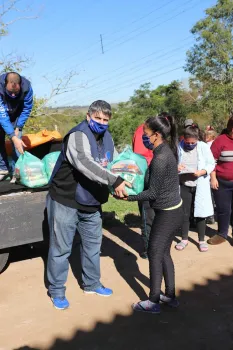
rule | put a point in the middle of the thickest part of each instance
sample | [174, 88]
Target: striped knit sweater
[222, 149]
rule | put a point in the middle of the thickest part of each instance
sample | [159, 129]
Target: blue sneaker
[60, 303]
[102, 291]
[172, 302]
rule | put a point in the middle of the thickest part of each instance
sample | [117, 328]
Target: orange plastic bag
[33, 140]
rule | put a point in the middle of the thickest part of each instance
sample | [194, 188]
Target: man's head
[98, 116]
[13, 84]
[100, 111]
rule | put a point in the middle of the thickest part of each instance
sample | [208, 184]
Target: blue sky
[144, 41]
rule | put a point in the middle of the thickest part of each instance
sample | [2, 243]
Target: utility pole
[101, 41]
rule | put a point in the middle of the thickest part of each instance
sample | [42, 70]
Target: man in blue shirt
[16, 102]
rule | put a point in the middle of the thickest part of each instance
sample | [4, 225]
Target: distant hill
[80, 109]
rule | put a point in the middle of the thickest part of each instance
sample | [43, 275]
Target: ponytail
[230, 125]
[173, 136]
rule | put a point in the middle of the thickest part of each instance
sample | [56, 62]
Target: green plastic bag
[30, 171]
[132, 168]
[49, 162]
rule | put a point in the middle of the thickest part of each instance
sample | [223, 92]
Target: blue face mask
[189, 147]
[96, 127]
[147, 143]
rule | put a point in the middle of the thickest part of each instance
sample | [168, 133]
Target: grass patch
[121, 208]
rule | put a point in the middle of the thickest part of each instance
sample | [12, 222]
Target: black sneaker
[144, 255]
[172, 302]
[210, 220]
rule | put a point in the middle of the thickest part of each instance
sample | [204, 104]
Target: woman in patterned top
[162, 192]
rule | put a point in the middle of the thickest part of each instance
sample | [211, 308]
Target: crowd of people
[183, 183]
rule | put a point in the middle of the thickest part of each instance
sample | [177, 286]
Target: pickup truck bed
[23, 221]
[23, 216]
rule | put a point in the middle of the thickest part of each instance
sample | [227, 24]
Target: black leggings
[165, 226]
[188, 197]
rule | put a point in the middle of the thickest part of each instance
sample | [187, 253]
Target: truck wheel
[3, 260]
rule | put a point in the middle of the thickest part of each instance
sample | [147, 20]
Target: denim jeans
[223, 199]
[4, 163]
[63, 223]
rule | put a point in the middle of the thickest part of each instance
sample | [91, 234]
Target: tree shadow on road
[203, 321]
[125, 263]
[125, 234]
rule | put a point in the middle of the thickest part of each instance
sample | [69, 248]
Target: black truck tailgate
[22, 218]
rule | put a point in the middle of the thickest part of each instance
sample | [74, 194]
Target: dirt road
[203, 321]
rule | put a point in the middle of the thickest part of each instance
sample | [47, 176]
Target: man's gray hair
[100, 106]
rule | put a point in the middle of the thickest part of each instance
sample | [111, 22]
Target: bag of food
[30, 171]
[132, 168]
[49, 162]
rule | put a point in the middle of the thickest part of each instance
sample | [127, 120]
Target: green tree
[210, 60]
[147, 102]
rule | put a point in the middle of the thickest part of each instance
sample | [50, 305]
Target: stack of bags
[32, 172]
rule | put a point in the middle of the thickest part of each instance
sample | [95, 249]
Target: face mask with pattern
[147, 143]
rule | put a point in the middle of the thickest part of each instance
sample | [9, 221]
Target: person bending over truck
[16, 102]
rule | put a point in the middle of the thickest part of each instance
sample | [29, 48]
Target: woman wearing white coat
[196, 162]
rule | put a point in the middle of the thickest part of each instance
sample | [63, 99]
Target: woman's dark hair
[164, 124]
[230, 125]
[224, 132]
[193, 131]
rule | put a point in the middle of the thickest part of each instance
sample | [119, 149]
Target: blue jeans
[63, 223]
[4, 163]
[223, 199]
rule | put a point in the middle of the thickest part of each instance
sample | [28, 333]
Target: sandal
[145, 306]
[181, 246]
[172, 302]
[203, 247]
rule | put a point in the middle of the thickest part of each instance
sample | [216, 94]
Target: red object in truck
[138, 146]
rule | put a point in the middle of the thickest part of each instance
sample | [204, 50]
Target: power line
[164, 56]
[140, 76]
[97, 43]
[142, 27]
[140, 59]
[140, 33]
[140, 18]
[157, 25]
[133, 70]
[155, 76]
[121, 85]
[111, 92]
